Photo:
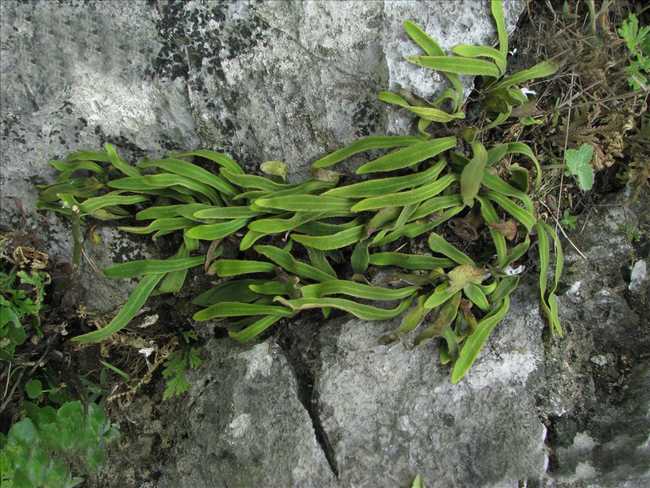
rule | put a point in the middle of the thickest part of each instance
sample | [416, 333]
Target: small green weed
[287, 244]
[49, 448]
[177, 365]
[21, 299]
[637, 41]
[569, 221]
[578, 165]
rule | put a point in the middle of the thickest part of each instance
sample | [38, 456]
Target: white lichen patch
[638, 275]
[259, 361]
[240, 425]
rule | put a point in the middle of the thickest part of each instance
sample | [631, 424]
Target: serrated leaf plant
[275, 249]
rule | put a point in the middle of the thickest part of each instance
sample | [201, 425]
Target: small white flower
[146, 351]
[528, 91]
[510, 271]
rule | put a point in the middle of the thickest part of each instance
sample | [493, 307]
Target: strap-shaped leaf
[211, 232]
[432, 114]
[382, 186]
[496, 7]
[186, 210]
[357, 290]
[520, 214]
[140, 267]
[360, 257]
[409, 156]
[117, 162]
[165, 180]
[476, 296]
[495, 55]
[435, 205]
[253, 331]
[306, 203]
[238, 309]
[216, 157]
[540, 70]
[475, 342]
[229, 291]
[445, 318]
[409, 197]
[493, 182]
[339, 240]
[252, 181]
[438, 244]
[363, 145]
[361, 311]
[164, 225]
[285, 260]
[236, 267]
[92, 204]
[472, 175]
[548, 301]
[457, 65]
[490, 216]
[192, 171]
[408, 261]
[410, 321]
[129, 310]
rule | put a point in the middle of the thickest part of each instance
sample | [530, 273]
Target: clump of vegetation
[21, 299]
[637, 41]
[279, 249]
[48, 448]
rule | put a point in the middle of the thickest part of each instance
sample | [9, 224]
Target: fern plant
[290, 236]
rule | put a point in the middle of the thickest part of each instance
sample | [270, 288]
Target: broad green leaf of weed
[578, 164]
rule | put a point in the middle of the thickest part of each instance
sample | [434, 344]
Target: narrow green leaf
[496, 7]
[435, 205]
[211, 232]
[361, 311]
[495, 55]
[457, 65]
[229, 291]
[318, 259]
[285, 260]
[409, 197]
[363, 145]
[192, 171]
[490, 216]
[276, 226]
[442, 293]
[357, 290]
[161, 181]
[476, 296]
[381, 186]
[173, 282]
[520, 214]
[408, 261]
[92, 204]
[69, 167]
[117, 162]
[169, 211]
[139, 267]
[360, 257]
[540, 70]
[339, 240]
[472, 175]
[100, 156]
[236, 267]
[135, 302]
[249, 239]
[444, 319]
[306, 203]
[493, 182]
[475, 342]
[252, 181]
[438, 244]
[409, 156]
[216, 157]
[255, 329]
[164, 225]
[410, 321]
[237, 309]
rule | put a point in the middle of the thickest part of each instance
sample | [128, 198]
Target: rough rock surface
[247, 426]
[285, 80]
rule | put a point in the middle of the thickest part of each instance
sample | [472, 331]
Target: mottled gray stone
[390, 413]
[246, 426]
[291, 80]
[599, 411]
[74, 76]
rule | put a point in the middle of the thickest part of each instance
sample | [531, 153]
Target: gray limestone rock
[390, 413]
[247, 426]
